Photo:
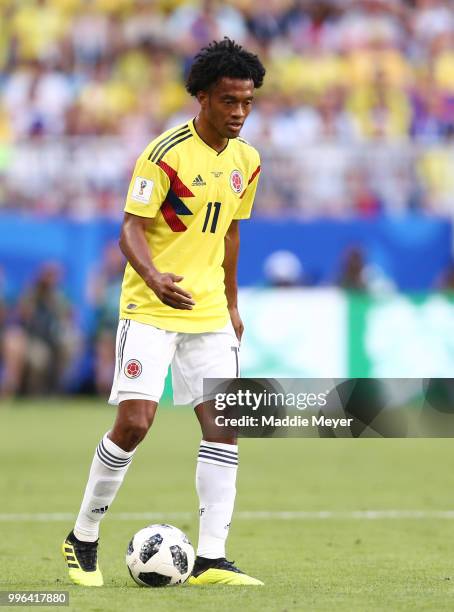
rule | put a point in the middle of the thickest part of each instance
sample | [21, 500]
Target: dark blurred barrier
[411, 251]
[26, 244]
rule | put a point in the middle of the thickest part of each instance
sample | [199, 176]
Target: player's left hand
[236, 322]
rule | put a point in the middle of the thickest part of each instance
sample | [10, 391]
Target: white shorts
[144, 353]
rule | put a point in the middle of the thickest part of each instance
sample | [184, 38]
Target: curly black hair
[220, 59]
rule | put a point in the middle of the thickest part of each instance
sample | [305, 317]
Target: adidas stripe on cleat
[219, 571]
[82, 561]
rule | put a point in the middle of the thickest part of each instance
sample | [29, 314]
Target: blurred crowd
[38, 337]
[44, 348]
[356, 116]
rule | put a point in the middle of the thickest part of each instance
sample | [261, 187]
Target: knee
[129, 433]
[135, 431]
[133, 421]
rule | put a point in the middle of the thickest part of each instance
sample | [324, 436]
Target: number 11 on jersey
[214, 222]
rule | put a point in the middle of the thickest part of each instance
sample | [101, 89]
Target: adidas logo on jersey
[198, 181]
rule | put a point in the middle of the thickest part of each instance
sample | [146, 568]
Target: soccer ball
[160, 555]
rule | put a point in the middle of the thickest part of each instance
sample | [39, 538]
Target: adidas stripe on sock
[116, 461]
[108, 469]
[215, 481]
[218, 453]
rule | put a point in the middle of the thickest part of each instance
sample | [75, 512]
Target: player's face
[227, 105]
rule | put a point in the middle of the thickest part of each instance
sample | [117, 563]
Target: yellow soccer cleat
[219, 571]
[82, 561]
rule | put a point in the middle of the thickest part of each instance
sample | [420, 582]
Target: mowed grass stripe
[266, 515]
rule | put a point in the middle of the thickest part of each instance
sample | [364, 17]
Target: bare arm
[232, 248]
[134, 246]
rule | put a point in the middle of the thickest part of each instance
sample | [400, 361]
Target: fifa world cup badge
[142, 189]
[143, 184]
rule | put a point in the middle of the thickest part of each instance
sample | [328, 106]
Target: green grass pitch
[340, 562]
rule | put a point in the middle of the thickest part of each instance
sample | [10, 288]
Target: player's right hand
[165, 287]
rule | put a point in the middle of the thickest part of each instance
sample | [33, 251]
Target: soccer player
[180, 235]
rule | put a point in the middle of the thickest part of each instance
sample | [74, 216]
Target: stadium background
[355, 125]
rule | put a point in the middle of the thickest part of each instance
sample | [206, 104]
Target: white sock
[107, 471]
[217, 466]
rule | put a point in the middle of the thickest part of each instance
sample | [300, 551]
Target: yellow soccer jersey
[193, 193]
